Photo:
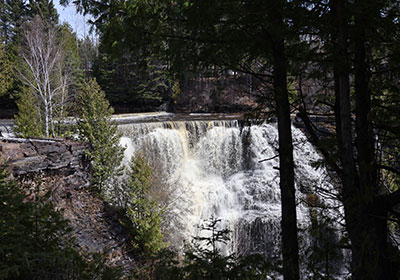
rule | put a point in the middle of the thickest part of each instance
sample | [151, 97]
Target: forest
[305, 60]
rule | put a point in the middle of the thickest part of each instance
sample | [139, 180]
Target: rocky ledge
[33, 156]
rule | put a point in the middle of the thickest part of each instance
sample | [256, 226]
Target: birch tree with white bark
[45, 71]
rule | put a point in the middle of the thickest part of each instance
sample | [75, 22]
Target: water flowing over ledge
[166, 116]
[224, 169]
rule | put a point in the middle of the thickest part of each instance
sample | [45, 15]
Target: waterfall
[229, 171]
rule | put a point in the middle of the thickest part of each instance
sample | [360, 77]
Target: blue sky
[77, 21]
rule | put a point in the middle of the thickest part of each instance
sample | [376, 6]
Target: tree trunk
[46, 115]
[51, 119]
[364, 213]
[290, 249]
[369, 235]
[343, 120]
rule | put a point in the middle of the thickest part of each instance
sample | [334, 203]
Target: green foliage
[12, 15]
[28, 123]
[35, 240]
[323, 255]
[32, 234]
[6, 69]
[87, 49]
[47, 67]
[94, 126]
[176, 92]
[130, 77]
[45, 9]
[72, 57]
[142, 210]
[205, 261]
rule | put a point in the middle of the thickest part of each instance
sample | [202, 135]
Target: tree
[6, 69]
[12, 16]
[366, 210]
[88, 52]
[143, 211]
[359, 62]
[129, 79]
[70, 46]
[94, 126]
[35, 240]
[45, 10]
[13, 13]
[28, 123]
[45, 72]
[340, 47]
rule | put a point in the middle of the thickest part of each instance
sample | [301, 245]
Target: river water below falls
[224, 170]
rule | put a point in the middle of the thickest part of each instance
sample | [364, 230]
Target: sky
[77, 21]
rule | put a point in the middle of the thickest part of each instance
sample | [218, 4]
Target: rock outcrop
[33, 156]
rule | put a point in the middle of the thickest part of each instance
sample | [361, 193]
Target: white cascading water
[216, 168]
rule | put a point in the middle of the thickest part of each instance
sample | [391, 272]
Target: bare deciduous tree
[45, 70]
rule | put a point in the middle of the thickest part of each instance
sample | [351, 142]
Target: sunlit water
[216, 168]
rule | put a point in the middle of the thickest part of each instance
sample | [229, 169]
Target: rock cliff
[28, 156]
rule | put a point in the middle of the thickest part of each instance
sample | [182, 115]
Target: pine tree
[28, 120]
[34, 238]
[203, 260]
[45, 9]
[6, 70]
[13, 13]
[142, 210]
[94, 126]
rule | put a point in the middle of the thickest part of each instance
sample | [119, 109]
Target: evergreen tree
[45, 9]
[72, 61]
[204, 261]
[350, 47]
[358, 59]
[228, 34]
[129, 77]
[6, 69]
[94, 126]
[142, 210]
[28, 120]
[13, 13]
[12, 16]
[88, 52]
[34, 238]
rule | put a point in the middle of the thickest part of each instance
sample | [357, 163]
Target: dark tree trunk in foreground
[365, 212]
[290, 249]
[369, 228]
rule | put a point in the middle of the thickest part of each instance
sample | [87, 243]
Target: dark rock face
[26, 156]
